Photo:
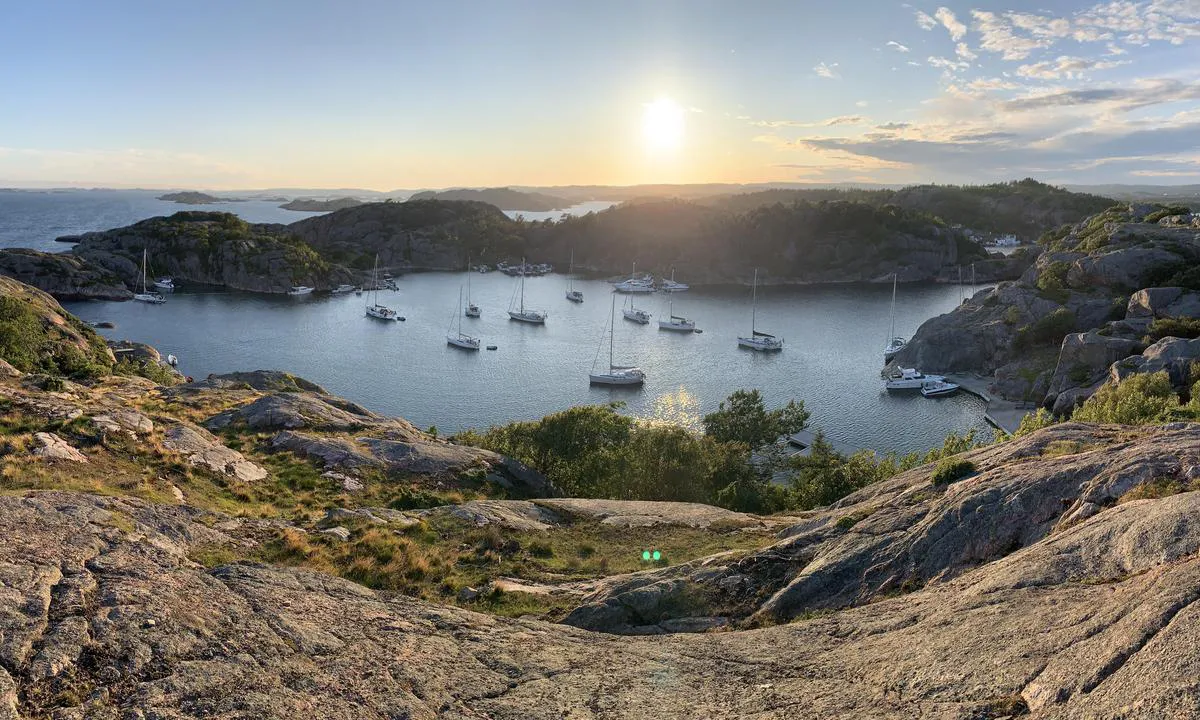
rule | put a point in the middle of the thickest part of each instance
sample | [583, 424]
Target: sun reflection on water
[679, 407]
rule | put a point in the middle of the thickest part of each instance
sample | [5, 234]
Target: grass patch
[951, 470]
[1156, 489]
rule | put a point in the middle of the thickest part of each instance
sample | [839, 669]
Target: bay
[834, 337]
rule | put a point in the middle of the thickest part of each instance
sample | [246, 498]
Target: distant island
[503, 198]
[311, 205]
[192, 198]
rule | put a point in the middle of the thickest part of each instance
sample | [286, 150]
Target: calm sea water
[834, 337]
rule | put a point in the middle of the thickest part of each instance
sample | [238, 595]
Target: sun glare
[662, 125]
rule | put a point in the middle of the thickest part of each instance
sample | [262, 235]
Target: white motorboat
[459, 339]
[342, 290]
[617, 375]
[894, 344]
[671, 285]
[165, 284]
[759, 341]
[472, 310]
[573, 295]
[172, 360]
[517, 311]
[641, 317]
[300, 290]
[146, 295]
[938, 388]
[676, 322]
[909, 379]
[375, 310]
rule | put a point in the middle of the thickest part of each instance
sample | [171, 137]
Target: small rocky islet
[249, 545]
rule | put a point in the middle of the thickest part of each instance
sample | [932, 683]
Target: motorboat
[909, 379]
[300, 290]
[146, 295]
[631, 313]
[172, 360]
[616, 375]
[342, 290]
[517, 311]
[938, 388]
[757, 340]
[165, 284]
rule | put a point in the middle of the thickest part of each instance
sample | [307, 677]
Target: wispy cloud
[897, 46]
[963, 51]
[946, 17]
[846, 120]
[1067, 67]
[826, 71]
[925, 21]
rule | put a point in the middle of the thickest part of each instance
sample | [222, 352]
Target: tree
[743, 418]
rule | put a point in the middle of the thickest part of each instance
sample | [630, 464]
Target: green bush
[1053, 276]
[1187, 328]
[950, 470]
[743, 418]
[1034, 421]
[1136, 400]
[1166, 212]
[1046, 330]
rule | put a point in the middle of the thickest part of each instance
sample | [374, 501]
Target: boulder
[8, 371]
[517, 515]
[52, 447]
[1164, 302]
[123, 420]
[1172, 354]
[648, 513]
[338, 533]
[295, 410]
[205, 450]
[427, 458]
[1083, 364]
[1122, 268]
[260, 380]
[332, 452]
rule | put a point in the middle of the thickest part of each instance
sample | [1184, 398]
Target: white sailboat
[641, 317]
[458, 339]
[671, 285]
[572, 294]
[519, 313]
[146, 295]
[894, 344]
[635, 284]
[676, 322]
[375, 310]
[472, 310]
[625, 375]
[760, 341]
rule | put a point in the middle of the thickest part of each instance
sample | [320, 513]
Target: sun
[662, 125]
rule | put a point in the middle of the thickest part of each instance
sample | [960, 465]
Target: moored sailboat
[518, 311]
[146, 295]
[472, 310]
[617, 375]
[676, 322]
[634, 314]
[375, 310]
[572, 294]
[760, 341]
[894, 344]
[459, 339]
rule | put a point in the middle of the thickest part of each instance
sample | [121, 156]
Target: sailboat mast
[754, 303]
[612, 330]
[143, 270]
[571, 273]
[522, 285]
[468, 283]
[893, 334]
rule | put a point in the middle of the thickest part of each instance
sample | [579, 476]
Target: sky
[390, 94]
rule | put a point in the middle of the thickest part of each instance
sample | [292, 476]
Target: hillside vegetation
[503, 198]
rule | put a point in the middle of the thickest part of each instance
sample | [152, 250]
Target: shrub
[1183, 327]
[743, 418]
[1046, 330]
[1053, 276]
[1136, 400]
[1034, 421]
[950, 470]
[1166, 212]
[541, 549]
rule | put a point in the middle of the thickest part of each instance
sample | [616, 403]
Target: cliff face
[211, 249]
[64, 276]
[1088, 302]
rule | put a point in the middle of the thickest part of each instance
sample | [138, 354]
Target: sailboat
[761, 341]
[146, 295]
[676, 322]
[617, 374]
[640, 317]
[894, 344]
[473, 310]
[572, 294]
[671, 285]
[635, 284]
[458, 339]
[375, 310]
[518, 312]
